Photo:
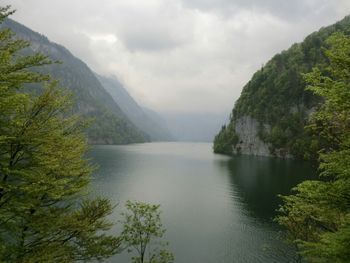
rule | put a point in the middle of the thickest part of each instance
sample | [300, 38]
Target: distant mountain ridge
[146, 120]
[270, 115]
[111, 125]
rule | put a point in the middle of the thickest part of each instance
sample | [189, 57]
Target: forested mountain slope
[154, 127]
[111, 125]
[270, 115]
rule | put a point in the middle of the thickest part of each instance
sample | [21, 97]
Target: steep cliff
[247, 130]
[269, 117]
[111, 125]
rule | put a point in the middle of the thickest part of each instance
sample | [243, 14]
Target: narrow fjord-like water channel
[216, 209]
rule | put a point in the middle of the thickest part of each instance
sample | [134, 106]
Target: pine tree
[317, 217]
[44, 216]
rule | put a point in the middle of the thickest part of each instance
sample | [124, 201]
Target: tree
[317, 217]
[225, 140]
[43, 169]
[141, 228]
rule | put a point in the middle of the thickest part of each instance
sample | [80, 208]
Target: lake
[215, 208]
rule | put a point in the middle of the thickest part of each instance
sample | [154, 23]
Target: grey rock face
[249, 142]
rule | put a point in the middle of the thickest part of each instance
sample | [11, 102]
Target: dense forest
[276, 97]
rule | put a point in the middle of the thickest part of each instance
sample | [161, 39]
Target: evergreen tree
[317, 217]
[43, 169]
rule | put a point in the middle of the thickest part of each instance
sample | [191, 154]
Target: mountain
[161, 123]
[269, 117]
[194, 127]
[146, 120]
[111, 125]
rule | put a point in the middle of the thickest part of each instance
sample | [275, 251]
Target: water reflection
[259, 181]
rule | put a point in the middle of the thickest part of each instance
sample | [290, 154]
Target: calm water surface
[215, 208]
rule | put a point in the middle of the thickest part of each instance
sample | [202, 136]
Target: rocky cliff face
[249, 142]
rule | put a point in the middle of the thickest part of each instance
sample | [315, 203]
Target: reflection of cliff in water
[259, 181]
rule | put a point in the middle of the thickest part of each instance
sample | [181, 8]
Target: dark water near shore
[215, 208]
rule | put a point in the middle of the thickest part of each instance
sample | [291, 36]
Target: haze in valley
[185, 59]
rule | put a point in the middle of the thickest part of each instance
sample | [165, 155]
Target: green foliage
[43, 171]
[225, 139]
[317, 217]
[277, 95]
[142, 229]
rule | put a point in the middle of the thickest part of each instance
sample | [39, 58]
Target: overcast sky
[178, 55]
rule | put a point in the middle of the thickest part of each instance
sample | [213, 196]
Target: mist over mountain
[145, 119]
[111, 125]
[195, 127]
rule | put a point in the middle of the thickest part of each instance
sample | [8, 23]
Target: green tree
[225, 140]
[317, 217]
[43, 170]
[142, 231]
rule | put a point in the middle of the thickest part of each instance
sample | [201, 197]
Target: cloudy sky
[178, 55]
